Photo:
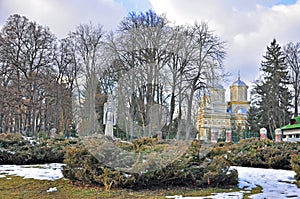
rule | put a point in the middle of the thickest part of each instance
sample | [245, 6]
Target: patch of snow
[276, 184]
[51, 171]
[175, 197]
[231, 195]
[7, 151]
[51, 190]
[32, 140]
[127, 175]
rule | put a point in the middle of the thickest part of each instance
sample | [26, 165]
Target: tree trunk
[189, 114]
[172, 109]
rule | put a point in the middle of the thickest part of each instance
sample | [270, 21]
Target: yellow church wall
[213, 115]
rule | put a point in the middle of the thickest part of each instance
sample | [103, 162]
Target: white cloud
[248, 26]
[63, 16]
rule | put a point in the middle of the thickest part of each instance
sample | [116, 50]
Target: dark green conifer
[271, 94]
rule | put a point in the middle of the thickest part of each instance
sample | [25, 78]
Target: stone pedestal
[53, 133]
[228, 135]
[159, 136]
[204, 136]
[263, 133]
[214, 135]
[278, 135]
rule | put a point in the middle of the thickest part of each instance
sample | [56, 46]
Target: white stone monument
[53, 133]
[109, 116]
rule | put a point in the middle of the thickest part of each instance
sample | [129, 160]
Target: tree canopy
[149, 66]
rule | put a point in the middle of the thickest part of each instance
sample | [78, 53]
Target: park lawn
[17, 187]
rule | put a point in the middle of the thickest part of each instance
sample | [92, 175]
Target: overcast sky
[248, 26]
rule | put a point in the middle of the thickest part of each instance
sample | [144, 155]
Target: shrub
[15, 149]
[191, 169]
[295, 162]
[218, 174]
[10, 139]
[257, 153]
[144, 142]
[83, 167]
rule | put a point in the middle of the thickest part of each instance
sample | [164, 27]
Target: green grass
[13, 187]
[17, 187]
[256, 190]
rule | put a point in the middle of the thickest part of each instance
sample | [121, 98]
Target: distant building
[217, 114]
[238, 105]
[291, 132]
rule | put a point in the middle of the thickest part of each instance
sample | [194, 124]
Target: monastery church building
[217, 115]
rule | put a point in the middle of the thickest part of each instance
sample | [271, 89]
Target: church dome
[239, 83]
[219, 86]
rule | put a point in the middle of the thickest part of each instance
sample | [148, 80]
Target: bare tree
[181, 54]
[140, 55]
[67, 69]
[164, 65]
[88, 40]
[292, 58]
[29, 49]
[8, 105]
[206, 67]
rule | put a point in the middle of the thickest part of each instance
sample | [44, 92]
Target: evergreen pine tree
[271, 94]
[252, 119]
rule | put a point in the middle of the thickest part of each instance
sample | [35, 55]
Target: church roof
[218, 86]
[294, 124]
[239, 82]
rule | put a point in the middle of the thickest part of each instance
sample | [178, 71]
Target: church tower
[212, 112]
[217, 116]
[238, 90]
[238, 105]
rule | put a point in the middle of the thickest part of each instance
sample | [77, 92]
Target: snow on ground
[276, 184]
[40, 172]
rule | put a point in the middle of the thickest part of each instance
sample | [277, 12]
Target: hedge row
[258, 153]
[191, 169]
[16, 149]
